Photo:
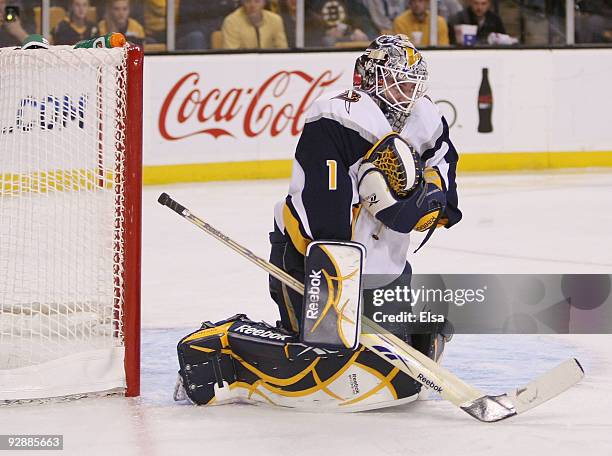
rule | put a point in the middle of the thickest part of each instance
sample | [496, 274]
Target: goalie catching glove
[396, 189]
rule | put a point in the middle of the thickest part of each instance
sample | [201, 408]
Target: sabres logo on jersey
[349, 96]
[372, 199]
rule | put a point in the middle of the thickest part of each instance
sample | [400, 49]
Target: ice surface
[541, 223]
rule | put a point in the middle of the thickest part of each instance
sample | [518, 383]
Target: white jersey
[323, 200]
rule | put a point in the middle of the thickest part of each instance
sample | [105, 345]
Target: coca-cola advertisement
[247, 107]
[485, 104]
[237, 109]
[248, 111]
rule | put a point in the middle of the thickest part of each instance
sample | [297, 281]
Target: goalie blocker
[331, 311]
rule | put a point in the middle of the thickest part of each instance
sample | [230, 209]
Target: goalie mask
[393, 73]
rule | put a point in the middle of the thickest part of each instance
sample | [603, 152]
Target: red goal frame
[133, 219]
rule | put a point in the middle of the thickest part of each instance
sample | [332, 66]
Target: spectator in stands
[288, 11]
[99, 5]
[360, 18]
[11, 33]
[448, 8]
[252, 27]
[199, 19]
[117, 19]
[155, 20]
[314, 26]
[335, 21]
[477, 13]
[76, 26]
[383, 12]
[414, 23]
[594, 21]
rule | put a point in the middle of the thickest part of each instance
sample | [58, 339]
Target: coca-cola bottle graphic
[485, 104]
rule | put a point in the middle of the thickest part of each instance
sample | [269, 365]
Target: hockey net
[70, 193]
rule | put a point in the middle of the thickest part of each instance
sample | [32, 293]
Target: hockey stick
[415, 364]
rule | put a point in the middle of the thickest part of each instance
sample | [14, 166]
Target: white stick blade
[547, 386]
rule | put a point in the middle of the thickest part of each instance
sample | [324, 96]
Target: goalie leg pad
[331, 315]
[238, 360]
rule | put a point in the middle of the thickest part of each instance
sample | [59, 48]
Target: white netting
[62, 143]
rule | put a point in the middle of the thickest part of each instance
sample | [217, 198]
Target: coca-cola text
[211, 111]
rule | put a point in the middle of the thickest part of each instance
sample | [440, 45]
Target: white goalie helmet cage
[393, 72]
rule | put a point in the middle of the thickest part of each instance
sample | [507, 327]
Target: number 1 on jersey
[332, 168]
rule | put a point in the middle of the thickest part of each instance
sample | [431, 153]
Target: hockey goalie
[373, 164]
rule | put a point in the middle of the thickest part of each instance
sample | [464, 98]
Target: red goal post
[133, 212]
